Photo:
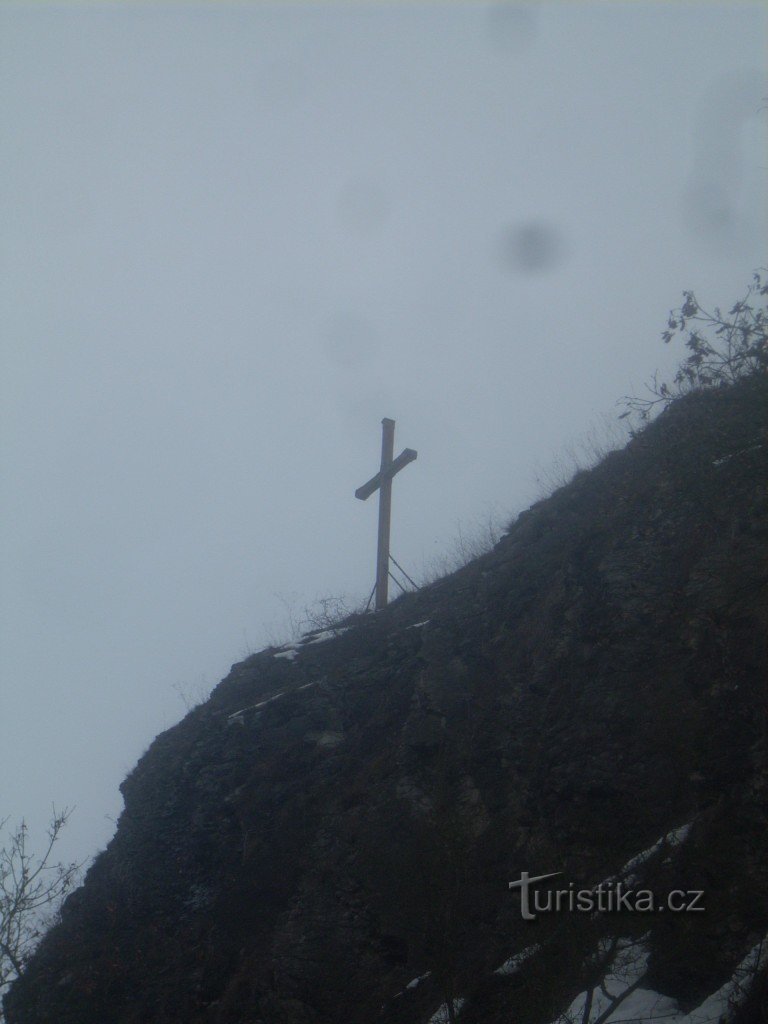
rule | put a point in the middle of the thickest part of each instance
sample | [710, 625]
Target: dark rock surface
[595, 681]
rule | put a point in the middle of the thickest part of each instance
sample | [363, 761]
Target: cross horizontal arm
[406, 455]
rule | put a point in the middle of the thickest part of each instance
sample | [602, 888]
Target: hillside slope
[343, 818]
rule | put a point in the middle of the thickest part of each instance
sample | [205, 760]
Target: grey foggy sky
[236, 236]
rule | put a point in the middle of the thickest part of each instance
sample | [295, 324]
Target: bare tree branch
[723, 348]
[29, 886]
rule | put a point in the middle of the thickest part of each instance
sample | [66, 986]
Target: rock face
[330, 837]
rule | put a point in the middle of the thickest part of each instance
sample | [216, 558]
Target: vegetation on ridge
[561, 702]
[724, 348]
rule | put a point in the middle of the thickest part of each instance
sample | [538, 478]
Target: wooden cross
[382, 483]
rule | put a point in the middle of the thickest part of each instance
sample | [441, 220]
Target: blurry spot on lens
[349, 340]
[510, 26]
[707, 208]
[726, 184]
[281, 83]
[530, 248]
[363, 206]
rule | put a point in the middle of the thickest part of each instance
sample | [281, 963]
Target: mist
[237, 236]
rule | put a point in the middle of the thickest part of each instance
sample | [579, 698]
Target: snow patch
[323, 635]
[417, 981]
[619, 988]
[414, 983]
[237, 716]
[290, 651]
[628, 873]
[620, 997]
[513, 965]
[441, 1016]
[742, 451]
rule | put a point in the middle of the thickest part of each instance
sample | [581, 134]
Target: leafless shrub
[192, 695]
[724, 348]
[31, 891]
[325, 612]
[469, 543]
[605, 435]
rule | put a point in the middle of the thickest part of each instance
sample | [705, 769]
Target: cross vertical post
[382, 483]
[385, 513]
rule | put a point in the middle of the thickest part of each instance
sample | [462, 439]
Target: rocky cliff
[330, 838]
